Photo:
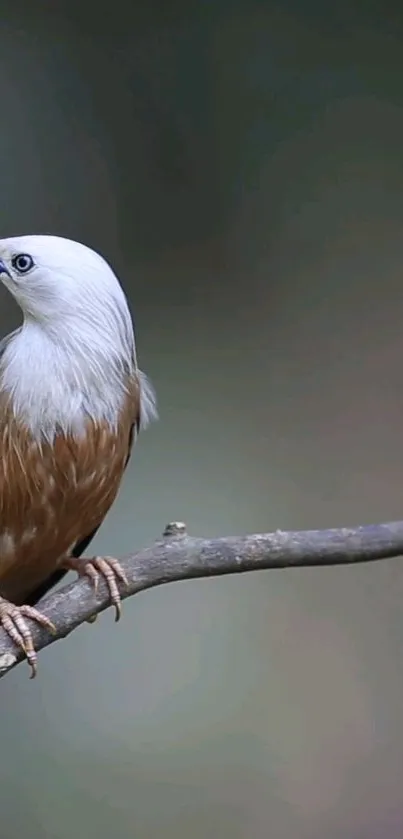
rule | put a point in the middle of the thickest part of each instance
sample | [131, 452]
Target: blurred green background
[241, 166]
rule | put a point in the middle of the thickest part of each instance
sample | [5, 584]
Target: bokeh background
[241, 166]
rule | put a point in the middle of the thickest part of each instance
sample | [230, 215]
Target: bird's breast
[52, 495]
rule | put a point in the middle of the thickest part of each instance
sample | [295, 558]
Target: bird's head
[55, 279]
[77, 326]
[71, 300]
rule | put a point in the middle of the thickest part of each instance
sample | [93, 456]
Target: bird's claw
[101, 566]
[12, 619]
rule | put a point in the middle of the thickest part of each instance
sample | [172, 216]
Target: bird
[72, 403]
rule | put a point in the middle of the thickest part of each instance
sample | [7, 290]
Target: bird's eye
[22, 263]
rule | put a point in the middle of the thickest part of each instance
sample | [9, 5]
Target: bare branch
[178, 556]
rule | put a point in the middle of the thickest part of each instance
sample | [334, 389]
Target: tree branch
[178, 556]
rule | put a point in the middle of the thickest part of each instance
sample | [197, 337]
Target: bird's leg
[105, 566]
[12, 619]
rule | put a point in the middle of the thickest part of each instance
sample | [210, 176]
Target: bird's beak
[4, 269]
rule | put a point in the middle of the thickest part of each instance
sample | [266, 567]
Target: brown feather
[54, 497]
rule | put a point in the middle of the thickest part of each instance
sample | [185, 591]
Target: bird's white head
[57, 280]
[76, 346]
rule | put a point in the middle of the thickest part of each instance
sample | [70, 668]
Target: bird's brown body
[53, 496]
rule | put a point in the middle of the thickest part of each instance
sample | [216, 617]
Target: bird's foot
[105, 566]
[12, 619]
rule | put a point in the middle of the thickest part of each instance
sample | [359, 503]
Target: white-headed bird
[72, 401]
